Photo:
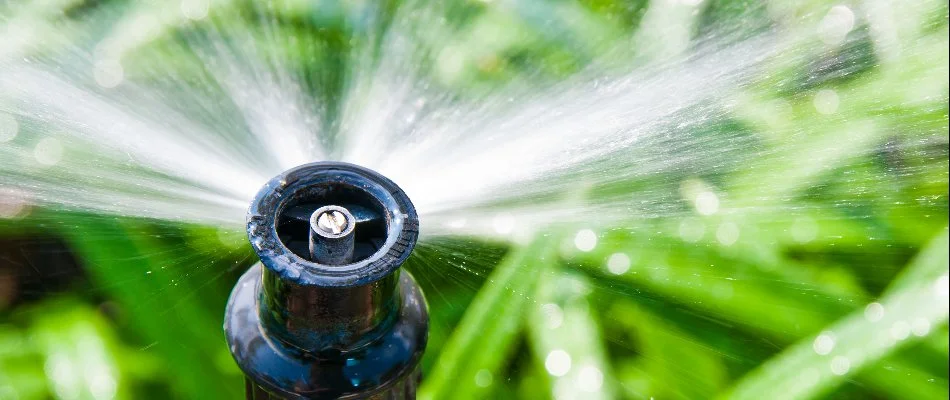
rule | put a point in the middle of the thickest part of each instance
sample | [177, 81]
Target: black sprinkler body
[327, 313]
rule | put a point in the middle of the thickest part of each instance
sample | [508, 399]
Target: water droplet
[727, 234]
[590, 379]
[707, 203]
[920, 327]
[942, 287]
[557, 363]
[483, 378]
[585, 240]
[101, 383]
[701, 195]
[824, 343]
[48, 151]
[826, 101]
[840, 365]
[874, 312]
[618, 263]
[108, 73]
[835, 26]
[900, 330]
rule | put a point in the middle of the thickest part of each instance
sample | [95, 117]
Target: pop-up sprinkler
[326, 313]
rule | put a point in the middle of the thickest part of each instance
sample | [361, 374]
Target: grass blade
[816, 365]
[567, 339]
[484, 338]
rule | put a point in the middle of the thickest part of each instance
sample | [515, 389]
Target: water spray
[327, 312]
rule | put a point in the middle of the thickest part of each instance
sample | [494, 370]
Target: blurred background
[801, 252]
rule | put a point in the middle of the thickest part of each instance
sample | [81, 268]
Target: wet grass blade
[567, 339]
[734, 291]
[670, 363]
[146, 276]
[483, 340]
[816, 365]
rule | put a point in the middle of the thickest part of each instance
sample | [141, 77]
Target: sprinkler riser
[310, 325]
[382, 357]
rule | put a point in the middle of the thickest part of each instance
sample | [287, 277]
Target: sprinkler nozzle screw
[332, 237]
[332, 221]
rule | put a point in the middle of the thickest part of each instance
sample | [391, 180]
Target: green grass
[826, 219]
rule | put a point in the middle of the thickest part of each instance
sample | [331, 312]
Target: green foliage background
[689, 319]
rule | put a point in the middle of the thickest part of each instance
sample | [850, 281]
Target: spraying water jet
[327, 312]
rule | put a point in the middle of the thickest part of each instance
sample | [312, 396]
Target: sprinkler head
[327, 313]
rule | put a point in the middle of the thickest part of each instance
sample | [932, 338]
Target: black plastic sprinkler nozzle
[327, 314]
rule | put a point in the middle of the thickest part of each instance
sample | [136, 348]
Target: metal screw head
[332, 221]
